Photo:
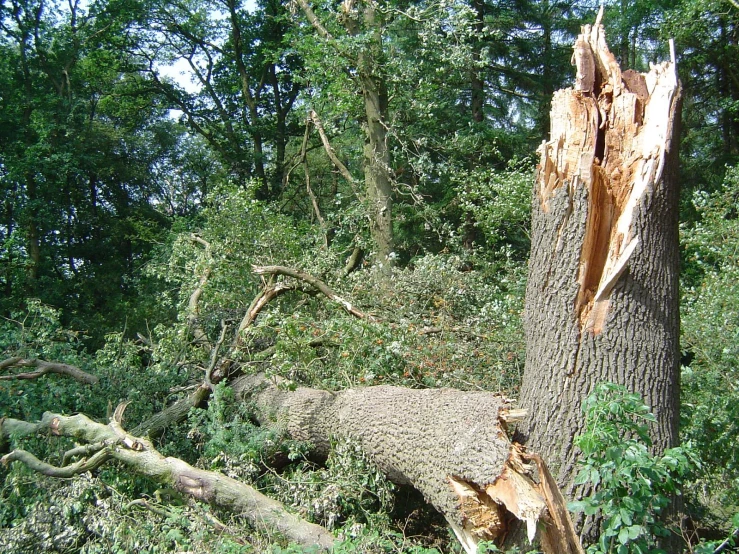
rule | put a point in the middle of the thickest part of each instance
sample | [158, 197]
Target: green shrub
[630, 485]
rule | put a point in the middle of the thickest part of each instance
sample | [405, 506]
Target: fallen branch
[352, 261]
[193, 310]
[174, 413]
[43, 368]
[218, 370]
[138, 454]
[315, 283]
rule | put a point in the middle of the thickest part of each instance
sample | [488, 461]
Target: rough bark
[450, 445]
[111, 442]
[602, 296]
[364, 17]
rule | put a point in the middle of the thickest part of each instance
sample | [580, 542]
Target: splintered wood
[609, 134]
[524, 492]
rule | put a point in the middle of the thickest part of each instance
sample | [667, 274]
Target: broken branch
[43, 368]
[315, 283]
[209, 486]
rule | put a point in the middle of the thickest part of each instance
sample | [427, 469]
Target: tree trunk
[602, 296]
[450, 445]
[376, 151]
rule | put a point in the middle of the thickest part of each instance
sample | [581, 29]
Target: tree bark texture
[602, 296]
[450, 445]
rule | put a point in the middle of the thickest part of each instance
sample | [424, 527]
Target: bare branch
[43, 368]
[306, 171]
[331, 153]
[49, 470]
[352, 261]
[315, 283]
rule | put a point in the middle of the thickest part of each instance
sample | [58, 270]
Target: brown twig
[315, 283]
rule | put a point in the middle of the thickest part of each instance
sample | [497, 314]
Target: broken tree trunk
[602, 296]
[450, 445]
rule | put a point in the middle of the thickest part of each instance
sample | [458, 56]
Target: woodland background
[124, 192]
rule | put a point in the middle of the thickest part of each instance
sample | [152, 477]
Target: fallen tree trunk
[106, 442]
[451, 445]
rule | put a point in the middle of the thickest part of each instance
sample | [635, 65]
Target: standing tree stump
[602, 296]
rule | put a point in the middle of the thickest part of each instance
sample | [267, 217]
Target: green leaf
[625, 516]
[582, 477]
[595, 477]
[577, 506]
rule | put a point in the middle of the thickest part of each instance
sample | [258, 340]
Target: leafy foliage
[710, 323]
[630, 486]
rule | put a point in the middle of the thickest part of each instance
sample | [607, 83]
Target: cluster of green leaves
[630, 486]
[349, 491]
[710, 334]
[78, 516]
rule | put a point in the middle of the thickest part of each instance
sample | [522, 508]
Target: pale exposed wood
[603, 289]
[610, 134]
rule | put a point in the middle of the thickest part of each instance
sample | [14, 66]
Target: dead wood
[450, 445]
[139, 455]
[42, 368]
[314, 282]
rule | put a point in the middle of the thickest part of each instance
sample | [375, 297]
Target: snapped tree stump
[602, 293]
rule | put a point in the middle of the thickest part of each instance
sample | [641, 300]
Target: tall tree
[78, 142]
[363, 22]
[243, 68]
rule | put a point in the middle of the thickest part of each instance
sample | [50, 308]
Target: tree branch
[43, 368]
[315, 283]
[311, 195]
[313, 20]
[313, 116]
[209, 486]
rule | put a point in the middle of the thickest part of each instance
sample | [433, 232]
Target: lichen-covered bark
[602, 297]
[111, 442]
